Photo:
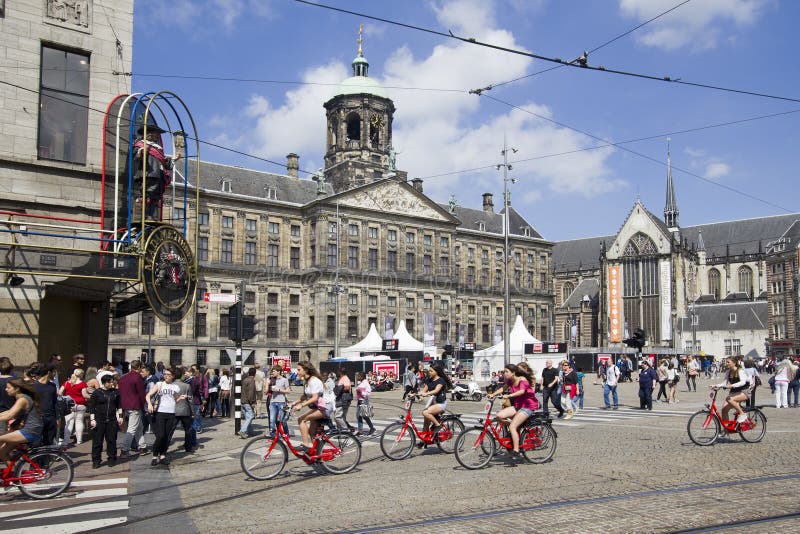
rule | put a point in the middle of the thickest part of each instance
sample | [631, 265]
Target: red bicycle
[476, 446]
[39, 472]
[398, 439]
[336, 452]
[706, 426]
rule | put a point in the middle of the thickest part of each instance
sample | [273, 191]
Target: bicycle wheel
[538, 443]
[341, 452]
[44, 474]
[261, 463]
[474, 448]
[753, 430]
[703, 428]
[451, 428]
[397, 441]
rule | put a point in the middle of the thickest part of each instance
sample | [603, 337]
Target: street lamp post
[506, 320]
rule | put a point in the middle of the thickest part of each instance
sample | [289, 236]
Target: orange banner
[615, 303]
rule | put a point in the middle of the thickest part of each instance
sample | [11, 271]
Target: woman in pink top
[75, 388]
[523, 400]
[363, 392]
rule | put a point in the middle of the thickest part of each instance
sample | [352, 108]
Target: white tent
[406, 341]
[371, 343]
[491, 359]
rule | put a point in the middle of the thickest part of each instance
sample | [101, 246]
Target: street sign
[226, 298]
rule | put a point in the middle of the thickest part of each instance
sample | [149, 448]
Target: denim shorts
[30, 437]
[527, 411]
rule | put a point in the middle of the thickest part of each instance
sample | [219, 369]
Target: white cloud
[716, 170]
[440, 132]
[698, 25]
[192, 14]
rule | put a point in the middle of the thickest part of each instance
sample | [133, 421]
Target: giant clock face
[376, 121]
[169, 275]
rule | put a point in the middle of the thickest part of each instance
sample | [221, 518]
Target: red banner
[391, 368]
[282, 361]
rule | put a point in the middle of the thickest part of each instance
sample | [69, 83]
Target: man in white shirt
[612, 378]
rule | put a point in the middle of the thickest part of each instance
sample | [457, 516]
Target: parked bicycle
[38, 472]
[335, 452]
[706, 426]
[398, 439]
[476, 446]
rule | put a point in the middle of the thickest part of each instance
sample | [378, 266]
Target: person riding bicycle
[736, 380]
[24, 418]
[518, 381]
[436, 386]
[313, 399]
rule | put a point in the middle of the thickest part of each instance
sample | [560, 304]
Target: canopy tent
[491, 360]
[406, 341]
[372, 342]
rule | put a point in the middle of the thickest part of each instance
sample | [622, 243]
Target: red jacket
[131, 391]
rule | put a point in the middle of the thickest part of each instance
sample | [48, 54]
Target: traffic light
[447, 351]
[249, 323]
[637, 341]
[234, 312]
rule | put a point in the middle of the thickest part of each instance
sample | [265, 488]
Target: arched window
[713, 283]
[566, 291]
[746, 280]
[640, 285]
[567, 328]
[353, 128]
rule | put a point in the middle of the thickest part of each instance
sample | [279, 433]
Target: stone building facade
[55, 80]
[323, 258]
[783, 272]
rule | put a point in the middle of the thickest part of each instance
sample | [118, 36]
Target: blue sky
[741, 44]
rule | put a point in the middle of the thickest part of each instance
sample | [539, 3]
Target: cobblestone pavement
[615, 471]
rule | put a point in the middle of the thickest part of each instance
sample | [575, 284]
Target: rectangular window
[312, 327]
[542, 281]
[200, 329]
[485, 310]
[250, 253]
[410, 262]
[63, 105]
[427, 240]
[295, 230]
[530, 259]
[470, 254]
[732, 318]
[202, 248]
[175, 357]
[330, 327]
[392, 235]
[529, 280]
[391, 302]
[148, 324]
[391, 260]
[498, 277]
[202, 218]
[313, 254]
[444, 242]
[498, 311]
[250, 225]
[118, 325]
[373, 232]
[517, 258]
[250, 297]
[373, 259]
[272, 299]
[352, 257]
[272, 255]
[223, 326]
[427, 304]
[176, 329]
[410, 326]
[227, 221]
[272, 327]
[202, 359]
[543, 260]
[178, 214]
[444, 305]
[352, 299]
[471, 333]
[517, 278]
[332, 297]
[443, 330]
[410, 236]
[427, 264]
[410, 303]
[485, 255]
[471, 309]
[332, 229]
[294, 257]
[352, 327]
[332, 256]
[352, 230]
[274, 228]
[484, 333]
[294, 299]
[226, 254]
[372, 300]
[294, 327]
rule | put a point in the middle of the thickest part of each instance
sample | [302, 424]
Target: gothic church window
[641, 285]
[746, 280]
[566, 291]
[713, 283]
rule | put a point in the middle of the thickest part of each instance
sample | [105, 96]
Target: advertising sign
[285, 362]
[603, 358]
[390, 344]
[615, 303]
[666, 301]
[391, 368]
[428, 337]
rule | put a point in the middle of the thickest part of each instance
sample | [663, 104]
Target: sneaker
[154, 462]
[742, 418]
[95, 465]
[371, 431]
[616, 407]
[243, 435]
[143, 451]
[124, 454]
[569, 415]
[164, 461]
[112, 462]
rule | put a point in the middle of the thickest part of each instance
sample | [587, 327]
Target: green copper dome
[360, 82]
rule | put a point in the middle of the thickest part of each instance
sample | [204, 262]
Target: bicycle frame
[494, 428]
[30, 476]
[731, 426]
[427, 437]
[311, 457]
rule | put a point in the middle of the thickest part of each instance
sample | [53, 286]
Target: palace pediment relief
[395, 198]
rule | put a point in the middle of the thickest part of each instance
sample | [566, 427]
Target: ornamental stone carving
[393, 198]
[70, 13]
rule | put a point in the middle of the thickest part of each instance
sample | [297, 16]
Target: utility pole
[237, 371]
[506, 304]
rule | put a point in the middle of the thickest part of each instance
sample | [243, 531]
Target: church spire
[671, 207]
[360, 64]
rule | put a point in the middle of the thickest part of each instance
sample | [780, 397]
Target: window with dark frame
[250, 225]
[352, 257]
[63, 105]
[200, 325]
[373, 259]
[294, 230]
[272, 298]
[330, 326]
[148, 324]
[294, 257]
[202, 218]
[250, 297]
[175, 357]
[223, 326]
[352, 327]
[176, 329]
[294, 327]
[202, 359]
[332, 256]
[250, 253]
[202, 248]
[227, 221]
[118, 325]
[272, 327]
[226, 253]
[312, 327]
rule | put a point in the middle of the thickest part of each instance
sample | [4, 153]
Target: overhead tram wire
[645, 156]
[559, 61]
[606, 144]
[596, 48]
[624, 142]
